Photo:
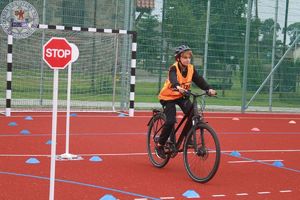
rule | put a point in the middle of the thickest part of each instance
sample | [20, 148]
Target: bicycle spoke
[202, 160]
[154, 132]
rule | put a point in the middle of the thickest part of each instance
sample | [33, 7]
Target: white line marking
[141, 199]
[241, 194]
[252, 161]
[117, 154]
[93, 154]
[139, 154]
[263, 192]
[114, 133]
[218, 195]
[285, 191]
[148, 116]
[75, 134]
[22, 155]
[167, 197]
[263, 151]
[7, 134]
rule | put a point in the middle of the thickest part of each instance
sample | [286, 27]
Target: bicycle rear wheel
[202, 157]
[154, 131]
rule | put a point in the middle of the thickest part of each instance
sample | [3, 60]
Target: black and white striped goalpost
[9, 75]
[132, 74]
[92, 30]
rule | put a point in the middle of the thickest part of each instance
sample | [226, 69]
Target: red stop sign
[57, 53]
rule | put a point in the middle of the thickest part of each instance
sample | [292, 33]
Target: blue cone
[95, 159]
[28, 118]
[49, 142]
[12, 124]
[108, 197]
[235, 154]
[25, 132]
[278, 164]
[32, 161]
[122, 115]
[73, 115]
[191, 194]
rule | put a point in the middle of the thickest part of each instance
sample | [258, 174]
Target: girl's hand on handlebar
[181, 90]
[212, 92]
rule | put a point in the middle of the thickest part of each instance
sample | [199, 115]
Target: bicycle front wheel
[201, 153]
[154, 131]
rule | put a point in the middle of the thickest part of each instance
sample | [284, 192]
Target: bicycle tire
[201, 162]
[154, 131]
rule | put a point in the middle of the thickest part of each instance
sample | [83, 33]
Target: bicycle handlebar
[189, 93]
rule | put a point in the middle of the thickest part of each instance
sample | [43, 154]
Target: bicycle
[201, 147]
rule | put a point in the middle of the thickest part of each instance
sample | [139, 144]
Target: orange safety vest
[168, 93]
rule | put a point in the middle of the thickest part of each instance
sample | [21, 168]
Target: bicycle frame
[193, 116]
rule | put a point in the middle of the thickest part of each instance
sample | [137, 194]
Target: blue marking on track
[264, 163]
[82, 184]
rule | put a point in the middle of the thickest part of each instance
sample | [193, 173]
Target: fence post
[273, 55]
[244, 92]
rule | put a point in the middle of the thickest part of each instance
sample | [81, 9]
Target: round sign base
[68, 156]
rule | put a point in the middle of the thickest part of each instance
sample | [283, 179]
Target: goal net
[101, 77]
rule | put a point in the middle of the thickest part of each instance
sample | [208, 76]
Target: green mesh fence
[179, 22]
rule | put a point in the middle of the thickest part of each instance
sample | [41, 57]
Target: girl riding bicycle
[181, 74]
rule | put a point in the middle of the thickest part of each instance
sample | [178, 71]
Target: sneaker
[160, 152]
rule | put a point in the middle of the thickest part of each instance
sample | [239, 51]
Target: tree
[227, 30]
[149, 41]
[266, 39]
[293, 31]
[226, 39]
[289, 69]
[180, 24]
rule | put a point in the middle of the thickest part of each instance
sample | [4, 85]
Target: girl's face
[185, 58]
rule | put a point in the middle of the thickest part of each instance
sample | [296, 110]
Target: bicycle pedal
[173, 154]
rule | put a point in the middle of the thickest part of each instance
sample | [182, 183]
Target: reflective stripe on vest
[168, 93]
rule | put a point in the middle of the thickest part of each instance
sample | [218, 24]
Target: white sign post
[67, 155]
[57, 53]
[53, 139]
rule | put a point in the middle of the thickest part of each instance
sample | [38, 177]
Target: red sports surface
[266, 165]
